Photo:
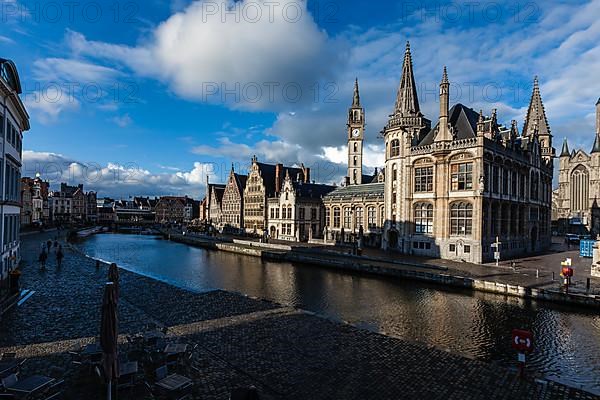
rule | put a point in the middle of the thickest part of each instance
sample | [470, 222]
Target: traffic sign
[522, 340]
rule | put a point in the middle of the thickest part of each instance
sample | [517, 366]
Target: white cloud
[116, 180]
[72, 71]
[48, 104]
[249, 54]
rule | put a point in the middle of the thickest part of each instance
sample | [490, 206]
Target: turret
[565, 149]
[443, 133]
[536, 123]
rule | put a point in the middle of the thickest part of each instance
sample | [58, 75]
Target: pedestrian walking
[59, 256]
[49, 245]
[43, 258]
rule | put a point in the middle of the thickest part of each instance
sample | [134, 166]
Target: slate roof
[240, 181]
[219, 191]
[462, 120]
[364, 190]
[312, 190]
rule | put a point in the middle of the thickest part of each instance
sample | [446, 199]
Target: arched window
[336, 217]
[461, 219]
[327, 216]
[358, 217]
[355, 160]
[395, 148]
[580, 189]
[423, 217]
[371, 217]
[355, 147]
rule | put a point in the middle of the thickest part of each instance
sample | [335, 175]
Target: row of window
[11, 134]
[461, 218]
[11, 228]
[500, 180]
[12, 179]
[461, 178]
[358, 217]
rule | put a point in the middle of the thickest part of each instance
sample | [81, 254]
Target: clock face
[356, 133]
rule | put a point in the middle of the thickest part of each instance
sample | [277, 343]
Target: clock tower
[356, 132]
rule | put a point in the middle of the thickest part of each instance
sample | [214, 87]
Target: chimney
[278, 171]
[307, 175]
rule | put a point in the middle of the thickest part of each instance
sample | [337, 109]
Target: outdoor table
[174, 382]
[31, 384]
[128, 368]
[175, 348]
[7, 366]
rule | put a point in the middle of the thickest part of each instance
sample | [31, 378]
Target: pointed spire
[573, 153]
[480, 124]
[536, 115]
[445, 75]
[407, 102]
[356, 98]
[596, 146]
[514, 131]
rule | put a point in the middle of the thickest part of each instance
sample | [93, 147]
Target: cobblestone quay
[285, 353]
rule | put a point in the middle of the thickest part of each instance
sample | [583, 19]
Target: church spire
[565, 149]
[536, 115]
[356, 98]
[407, 102]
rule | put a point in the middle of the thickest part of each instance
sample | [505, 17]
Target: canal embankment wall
[393, 269]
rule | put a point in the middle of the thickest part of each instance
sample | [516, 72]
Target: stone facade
[297, 214]
[454, 189]
[233, 202]
[355, 208]
[578, 194]
[265, 181]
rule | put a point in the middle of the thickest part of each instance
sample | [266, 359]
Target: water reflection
[473, 324]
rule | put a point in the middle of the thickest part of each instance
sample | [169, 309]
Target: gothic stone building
[359, 205]
[265, 181]
[297, 214]
[456, 188]
[578, 195]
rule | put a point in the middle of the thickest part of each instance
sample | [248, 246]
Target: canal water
[476, 325]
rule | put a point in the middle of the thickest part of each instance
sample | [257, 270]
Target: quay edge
[409, 271]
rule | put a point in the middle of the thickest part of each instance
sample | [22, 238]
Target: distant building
[61, 207]
[105, 210]
[297, 213]
[265, 181]
[134, 211]
[170, 209]
[232, 204]
[577, 200]
[34, 200]
[215, 210]
[91, 207]
[14, 120]
[191, 210]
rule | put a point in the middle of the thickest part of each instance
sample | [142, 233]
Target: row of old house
[73, 205]
[271, 199]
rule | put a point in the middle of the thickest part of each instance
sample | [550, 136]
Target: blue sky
[149, 97]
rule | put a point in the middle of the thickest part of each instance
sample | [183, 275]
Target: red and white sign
[522, 340]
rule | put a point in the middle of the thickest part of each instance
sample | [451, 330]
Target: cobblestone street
[284, 352]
